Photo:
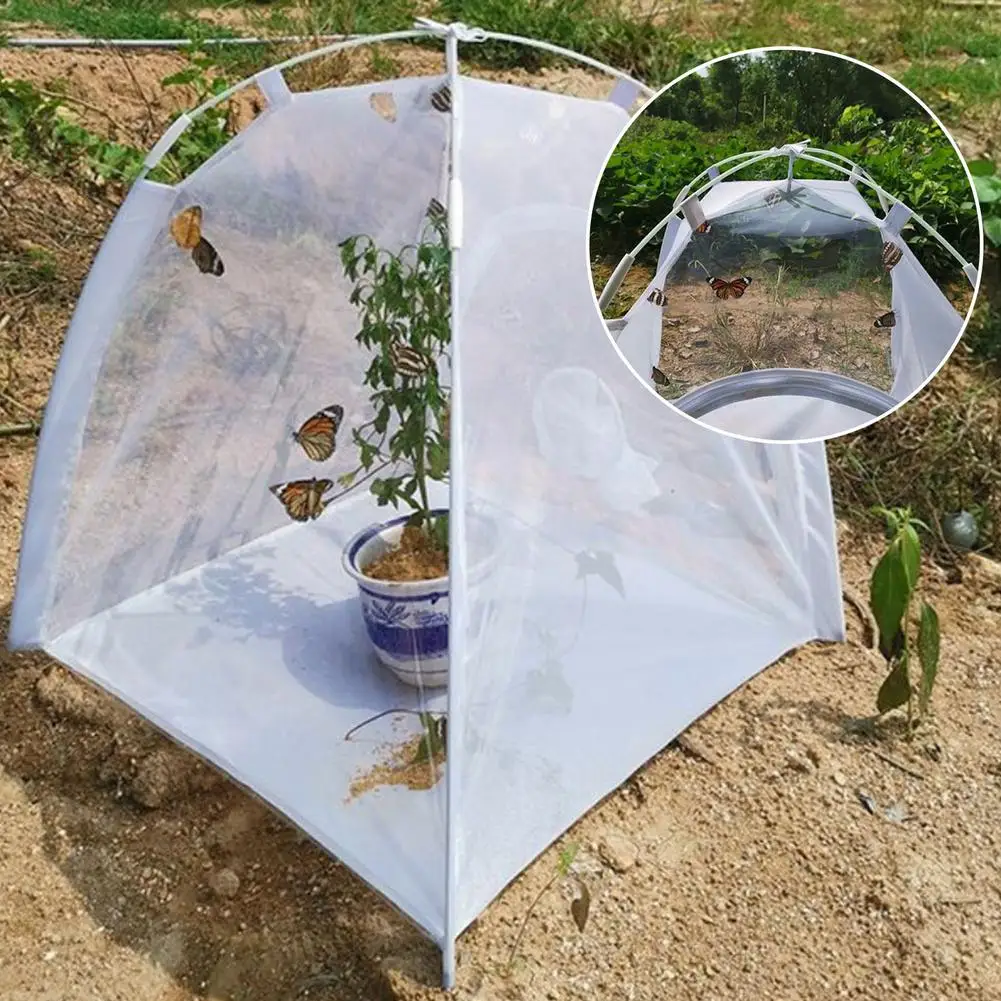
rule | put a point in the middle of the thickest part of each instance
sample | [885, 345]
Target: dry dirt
[746, 867]
[703, 339]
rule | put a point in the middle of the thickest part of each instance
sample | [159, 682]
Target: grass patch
[939, 453]
[114, 18]
[976, 81]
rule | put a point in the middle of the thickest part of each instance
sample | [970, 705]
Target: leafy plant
[208, 133]
[892, 591]
[405, 317]
[987, 184]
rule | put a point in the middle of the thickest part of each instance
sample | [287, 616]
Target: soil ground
[746, 867]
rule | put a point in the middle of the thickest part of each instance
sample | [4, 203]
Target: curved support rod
[827, 386]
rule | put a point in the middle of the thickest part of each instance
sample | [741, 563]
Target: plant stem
[528, 914]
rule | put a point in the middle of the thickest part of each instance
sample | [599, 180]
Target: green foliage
[34, 129]
[208, 133]
[608, 30]
[434, 739]
[912, 159]
[404, 299]
[892, 589]
[987, 184]
[110, 18]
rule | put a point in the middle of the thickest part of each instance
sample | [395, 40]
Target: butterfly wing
[441, 99]
[207, 258]
[659, 378]
[703, 228]
[318, 434]
[186, 227]
[302, 499]
[407, 361]
[886, 320]
[740, 285]
[657, 297]
[891, 255]
[383, 104]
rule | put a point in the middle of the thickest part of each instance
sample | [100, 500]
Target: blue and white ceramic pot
[407, 621]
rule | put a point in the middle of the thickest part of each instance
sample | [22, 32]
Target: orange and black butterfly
[891, 255]
[318, 434]
[186, 229]
[703, 228]
[659, 378]
[441, 99]
[657, 297]
[303, 499]
[407, 361]
[729, 289]
[886, 320]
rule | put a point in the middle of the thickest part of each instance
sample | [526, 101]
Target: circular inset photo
[785, 244]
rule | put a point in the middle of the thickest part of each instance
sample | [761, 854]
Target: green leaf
[896, 688]
[928, 652]
[888, 596]
[992, 230]
[988, 189]
[981, 168]
[910, 552]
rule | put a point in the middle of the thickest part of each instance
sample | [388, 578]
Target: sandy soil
[746, 867]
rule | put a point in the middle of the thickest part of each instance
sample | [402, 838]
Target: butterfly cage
[799, 311]
[613, 569]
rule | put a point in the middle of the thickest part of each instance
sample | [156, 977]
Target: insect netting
[793, 274]
[635, 570]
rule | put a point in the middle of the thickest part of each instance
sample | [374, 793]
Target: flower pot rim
[359, 539]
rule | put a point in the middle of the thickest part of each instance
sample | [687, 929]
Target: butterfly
[886, 320]
[657, 297]
[436, 211]
[441, 99]
[727, 290]
[318, 434]
[408, 361]
[303, 499]
[703, 228]
[186, 229]
[658, 377]
[383, 104]
[891, 255]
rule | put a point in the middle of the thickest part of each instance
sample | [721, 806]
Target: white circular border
[924, 107]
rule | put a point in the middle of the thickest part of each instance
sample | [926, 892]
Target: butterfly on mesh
[302, 499]
[886, 320]
[659, 378]
[729, 289]
[436, 211]
[657, 297]
[703, 227]
[318, 434]
[891, 255]
[408, 361]
[186, 229]
[441, 99]
[383, 104]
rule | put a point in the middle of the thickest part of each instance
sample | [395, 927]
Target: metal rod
[163, 43]
[826, 386]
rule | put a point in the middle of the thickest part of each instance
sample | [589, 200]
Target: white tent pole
[964, 264]
[163, 43]
[456, 532]
[747, 159]
[425, 28]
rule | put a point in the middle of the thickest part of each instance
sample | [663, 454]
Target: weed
[892, 590]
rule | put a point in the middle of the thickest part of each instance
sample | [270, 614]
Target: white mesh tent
[794, 404]
[641, 568]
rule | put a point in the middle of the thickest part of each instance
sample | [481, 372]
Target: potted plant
[401, 566]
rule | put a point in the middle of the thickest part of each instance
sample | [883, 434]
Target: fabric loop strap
[458, 30]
